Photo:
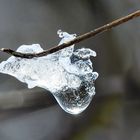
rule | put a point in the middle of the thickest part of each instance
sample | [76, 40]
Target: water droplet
[75, 101]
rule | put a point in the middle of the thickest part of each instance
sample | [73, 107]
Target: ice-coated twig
[78, 39]
[68, 74]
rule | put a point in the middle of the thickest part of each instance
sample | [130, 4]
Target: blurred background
[33, 114]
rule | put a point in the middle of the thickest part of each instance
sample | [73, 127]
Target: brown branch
[77, 39]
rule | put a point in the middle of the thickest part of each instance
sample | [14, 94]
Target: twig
[77, 39]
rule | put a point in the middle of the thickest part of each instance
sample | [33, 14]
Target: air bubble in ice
[68, 74]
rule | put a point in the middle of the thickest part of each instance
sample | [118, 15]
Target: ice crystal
[68, 74]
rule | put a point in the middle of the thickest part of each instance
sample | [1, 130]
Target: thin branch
[77, 39]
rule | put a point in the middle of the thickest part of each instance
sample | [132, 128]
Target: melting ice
[68, 74]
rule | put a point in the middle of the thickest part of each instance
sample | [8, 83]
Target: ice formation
[68, 74]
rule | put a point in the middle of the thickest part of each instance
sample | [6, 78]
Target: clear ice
[68, 74]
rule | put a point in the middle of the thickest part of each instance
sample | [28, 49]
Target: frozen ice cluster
[68, 74]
